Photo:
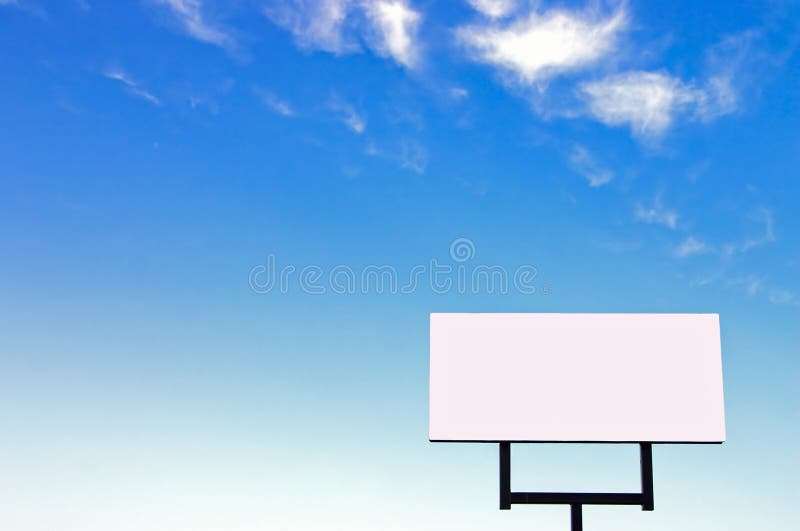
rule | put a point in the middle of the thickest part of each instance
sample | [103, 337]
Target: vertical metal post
[505, 475]
[576, 516]
[646, 460]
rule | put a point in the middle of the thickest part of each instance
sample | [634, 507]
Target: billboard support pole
[576, 500]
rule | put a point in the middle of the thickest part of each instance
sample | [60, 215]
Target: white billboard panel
[576, 377]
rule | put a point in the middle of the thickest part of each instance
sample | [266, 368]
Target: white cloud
[397, 25]
[657, 214]
[494, 8]
[189, 14]
[274, 103]
[647, 101]
[718, 99]
[348, 115]
[316, 24]
[119, 75]
[690, 247]
[535, 47]
[583, 162]
[388, 27]
[737, 64]
[131, 86]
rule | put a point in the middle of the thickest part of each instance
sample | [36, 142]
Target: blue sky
[154, 154]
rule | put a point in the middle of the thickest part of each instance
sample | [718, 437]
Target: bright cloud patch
[494, 8]
[536, 47]
[316, 24]
[397, 27]
[389, 27]
[189, 14]
[647, 101]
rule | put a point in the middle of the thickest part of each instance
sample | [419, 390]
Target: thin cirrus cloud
[493, 8]
[193, 20]
[316, 24]
[691, 246]
[751, 283]
[131, 85]
[533, 47]
[782, 296]
[274, 103]
[348, 115]
[582, 162]
[649, 102]
[656, 214]
[409, 154]
[767, 236]
[388, 27]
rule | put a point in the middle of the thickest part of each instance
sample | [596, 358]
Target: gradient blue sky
[642, 157]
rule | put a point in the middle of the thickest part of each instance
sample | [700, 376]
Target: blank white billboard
[576, 377]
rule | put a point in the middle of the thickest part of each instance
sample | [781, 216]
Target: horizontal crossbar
[581, 498]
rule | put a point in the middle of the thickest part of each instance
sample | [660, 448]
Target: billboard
[547, 377]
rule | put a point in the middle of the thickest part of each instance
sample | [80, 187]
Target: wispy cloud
[534, 47]
[646, 101]
[782, 296]
[132, 86]
[751, 283]
[413, 156]
[691, 246]
[584, 163]
[31, 8]
[274, 103]
[734, 66]
[494, 8]
[388, 27]
[409, 154]
[649, 102]
[764, 216]
[193, 20]
[347, 114]
[656, 214]
[458, 93]
[316, 24]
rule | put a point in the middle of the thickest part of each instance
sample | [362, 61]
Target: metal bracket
[576, 500]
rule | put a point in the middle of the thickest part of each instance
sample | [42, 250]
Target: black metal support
[576, 500]
[505, 475]
[576, 516]
[646, 462]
